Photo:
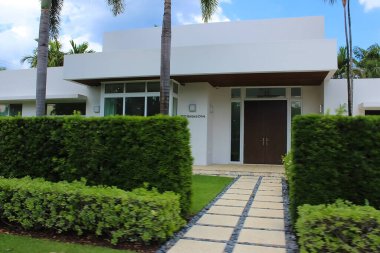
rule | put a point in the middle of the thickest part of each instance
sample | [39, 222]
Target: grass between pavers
[23, 244]
[205, 189]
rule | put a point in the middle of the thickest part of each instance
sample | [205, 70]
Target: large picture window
[138, 98]
[65, 108]
[10, 109]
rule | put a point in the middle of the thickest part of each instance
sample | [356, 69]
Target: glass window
[113, 106]
[235, 131]
[372, 112]
[175, 107]
[65, 108]
[235, 93]
[4, 110]
[296, 92]
[154, 87]
[153, 104]
[265, 92]
[175, 88]
[114, 88]
[135, 106]
[134, 87]
[15, 109]
[296, 108]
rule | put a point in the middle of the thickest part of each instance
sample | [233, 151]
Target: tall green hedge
[139, 215]
[334, 157]
[120, 151]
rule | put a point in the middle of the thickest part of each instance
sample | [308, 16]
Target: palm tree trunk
[165, 59]
[348, 73]
[351, 87]
[42, 57]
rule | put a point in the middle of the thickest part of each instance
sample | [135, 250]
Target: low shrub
[139, 215]
[334, 157]
[120, 151]
[339, 227]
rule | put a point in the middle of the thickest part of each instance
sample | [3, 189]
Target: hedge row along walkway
[248, 217]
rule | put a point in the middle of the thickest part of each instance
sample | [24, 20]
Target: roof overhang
[233, 80]
[49, 98]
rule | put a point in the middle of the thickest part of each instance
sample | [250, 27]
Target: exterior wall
[306, 28]
[366, 92]
[198, 94]
[19, 86]
[312, 99]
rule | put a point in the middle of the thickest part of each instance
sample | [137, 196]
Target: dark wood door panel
[264, 131]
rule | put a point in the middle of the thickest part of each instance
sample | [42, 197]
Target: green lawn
[205, 189]
[23, 244]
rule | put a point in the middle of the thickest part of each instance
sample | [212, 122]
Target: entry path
[248, 217]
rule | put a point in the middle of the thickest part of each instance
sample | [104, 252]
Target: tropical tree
[49, 27]
[3, 68]
[342, 63]
[349, 64]
[208, 7]
[368, 61]
[81, 48]
[55, 55]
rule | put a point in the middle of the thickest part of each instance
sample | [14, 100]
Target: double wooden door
[264, 131]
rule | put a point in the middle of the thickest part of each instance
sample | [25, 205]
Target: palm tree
[55, 55]
[79, 48]
[347, 29]
[208, 8]
[3, 68]
[368, 61]
[342, 63]
[49, 26]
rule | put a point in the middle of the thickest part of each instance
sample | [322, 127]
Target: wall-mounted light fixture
[192, 107]
[96, 109]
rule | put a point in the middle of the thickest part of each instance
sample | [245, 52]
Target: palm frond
[117, 6]
[208, 9]
[55, 17]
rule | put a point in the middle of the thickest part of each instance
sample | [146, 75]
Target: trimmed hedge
[339, 227]
[140, 215]
[125, 152]
[334, 157]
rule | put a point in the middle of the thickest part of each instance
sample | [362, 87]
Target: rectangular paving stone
[191, 246]
[219, 220]
[241, 248]
[244, 187]
[211, 233]
[239, 191]
[264, 223]
[268, 205]
[268, 193]
[268, 213]
[230, 202]
[270, 185]
[270, 188]
[227, 210]
[235, 196]
[262, 237]
[269, 198]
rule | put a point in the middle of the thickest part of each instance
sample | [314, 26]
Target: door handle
[263, 141]
[266, 141]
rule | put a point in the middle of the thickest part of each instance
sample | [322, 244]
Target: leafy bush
[339, 227]
[140, 215]
[334, 157]
[118, 151]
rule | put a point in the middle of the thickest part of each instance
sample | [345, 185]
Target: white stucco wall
[252, 31]
[366, 91]
[312, 98]
[196, 93]
[20, 86]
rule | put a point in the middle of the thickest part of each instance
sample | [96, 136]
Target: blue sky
[87, 20]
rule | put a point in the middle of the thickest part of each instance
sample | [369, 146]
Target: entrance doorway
[265, 131]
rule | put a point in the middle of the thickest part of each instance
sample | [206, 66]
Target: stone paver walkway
[248, 217]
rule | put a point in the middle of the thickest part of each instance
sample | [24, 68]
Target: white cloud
[197, 18]
[370, 4]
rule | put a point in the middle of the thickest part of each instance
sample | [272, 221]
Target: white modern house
[238, 83]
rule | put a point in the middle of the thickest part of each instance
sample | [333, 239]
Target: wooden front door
[264, 131]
